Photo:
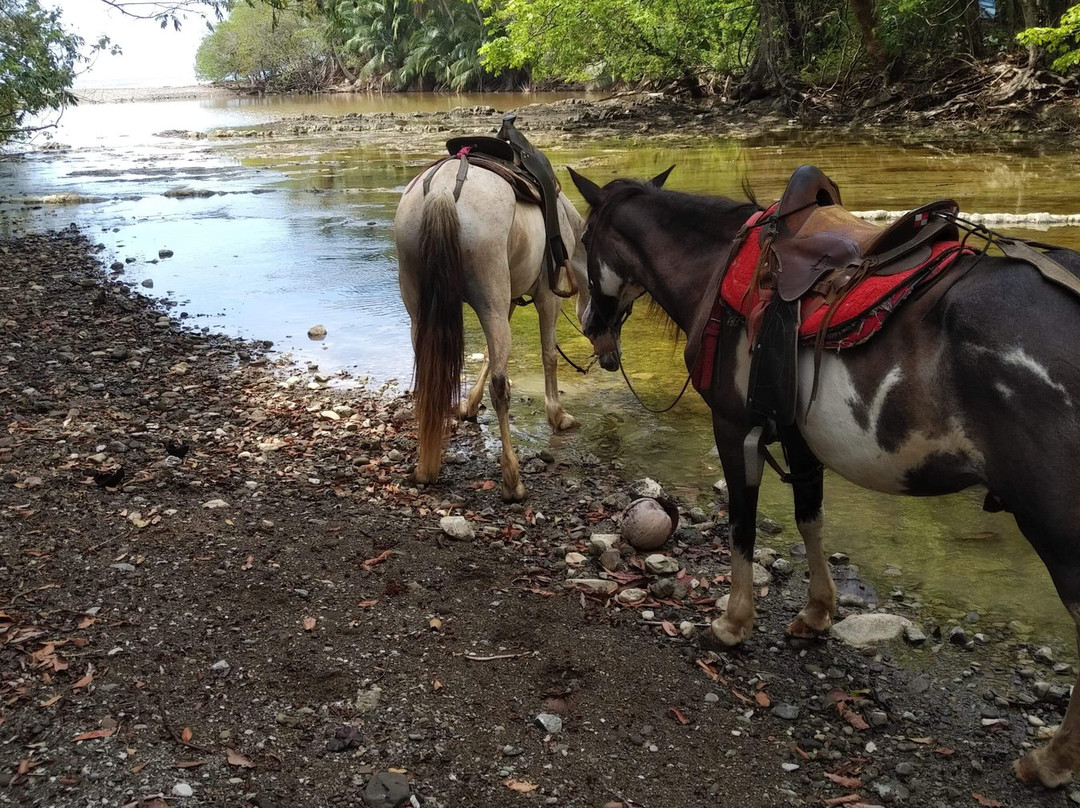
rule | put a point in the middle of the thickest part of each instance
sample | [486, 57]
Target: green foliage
[405, 43]
[1062, 41]
[617, 39]
[38, 63]
[260, 48]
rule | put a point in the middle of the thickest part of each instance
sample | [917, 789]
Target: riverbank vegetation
[820, 60]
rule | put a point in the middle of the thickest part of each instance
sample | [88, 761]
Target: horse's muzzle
[609, 361]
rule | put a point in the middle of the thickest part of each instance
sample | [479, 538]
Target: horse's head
[612, 267]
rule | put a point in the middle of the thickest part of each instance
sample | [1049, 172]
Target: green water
[316, 246]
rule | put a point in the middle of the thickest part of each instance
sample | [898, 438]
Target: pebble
[512, 751]
[182, 790]
[762, 577]
[905, 769]
[631, 595]
[711, 698]
[598, 585]
[862, 630]
[148, 283]
[549, 723]
[600, 543]
[782, 567]
[457, 527]
[914, 635]
[610, 560]
[659, 564]
[957, 636]
[786, 711]
[574, 559]
[317, 332]
[839, 559]
[1044, 654]
[386, 790]
[687, 629]
[165, 253]
[851, 601]
[789, 767]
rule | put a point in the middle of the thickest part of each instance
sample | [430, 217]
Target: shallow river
[298, 237]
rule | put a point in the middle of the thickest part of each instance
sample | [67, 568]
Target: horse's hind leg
[497, 328]
[469, 408]
[808, 488]
[547, 307]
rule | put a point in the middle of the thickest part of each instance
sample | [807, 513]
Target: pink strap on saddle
[463, 151]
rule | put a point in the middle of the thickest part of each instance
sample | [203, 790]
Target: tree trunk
[867, 20]
[973, 28]
[772, 70]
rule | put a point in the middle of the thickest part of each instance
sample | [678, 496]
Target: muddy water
[299, 233]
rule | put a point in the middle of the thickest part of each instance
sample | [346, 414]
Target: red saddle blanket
[859, 315]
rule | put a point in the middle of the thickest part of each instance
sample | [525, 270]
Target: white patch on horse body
[1021, 358]
[841, 443]
[610, 283]
[742, 365]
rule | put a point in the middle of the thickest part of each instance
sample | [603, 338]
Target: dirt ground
[261, 611]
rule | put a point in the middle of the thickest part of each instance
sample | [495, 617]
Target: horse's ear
[592, 192]
[659, 180]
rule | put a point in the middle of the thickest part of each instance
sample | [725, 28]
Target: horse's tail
[440, 333]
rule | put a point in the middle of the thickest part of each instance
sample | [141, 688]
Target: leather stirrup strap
[1047, 267]
[462, 173]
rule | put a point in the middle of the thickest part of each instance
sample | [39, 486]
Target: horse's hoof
[421, 478]
[516, 494]
[806, 629]
[1034, 768]
[725, 633]
[565, 423]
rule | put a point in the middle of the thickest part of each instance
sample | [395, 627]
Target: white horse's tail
[440, 332]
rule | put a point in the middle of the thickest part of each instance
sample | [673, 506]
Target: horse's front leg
[808, 488]
[547, 308]
[736, 624]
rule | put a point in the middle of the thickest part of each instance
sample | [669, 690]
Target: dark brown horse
[974, 382]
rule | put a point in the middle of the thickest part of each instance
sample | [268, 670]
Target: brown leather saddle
[816, 245]
[529, 173]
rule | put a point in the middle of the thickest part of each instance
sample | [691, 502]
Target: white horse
[487, 250]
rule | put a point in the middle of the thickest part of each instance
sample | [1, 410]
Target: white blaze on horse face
[849, 445]
[610, 283]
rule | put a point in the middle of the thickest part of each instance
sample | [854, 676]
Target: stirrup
[753, 462]
[561, 280]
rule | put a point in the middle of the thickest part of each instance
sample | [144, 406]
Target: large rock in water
[863, 630]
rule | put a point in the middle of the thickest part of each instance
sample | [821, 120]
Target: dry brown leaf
[309, 623]
[436, 686]
[189, 764]
[138, 767]
[97, 733]
[856, 720]
[669, 628]
[844, 782]
[367, 604]
[50, 702]
[86, 621]
[234, 758]
[248, 563]
[679, 715]
[520, 786]
[87, 678]
[487, 485]
[987, 802]
[380, 558]
[762, 698]
[186, 735]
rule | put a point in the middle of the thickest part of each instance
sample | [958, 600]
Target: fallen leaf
[309, 623]
[380, 558]
[97, 733]
[87, 678]
[50, 702]
[487, 485]
[189, 764]
[436, 686]
[248, 563]
[679, 715]
[669, 628]
[138, 767]
[987, 802]
[941, 750]
[234, 758]
[856, 720]
[844, 782]
[86, 621]
[847, 798]
[921, 740]
[710, 671]
[762, 698]
[366, 604]
[520, 786]
[186, 735]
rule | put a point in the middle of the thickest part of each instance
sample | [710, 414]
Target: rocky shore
[220, 588]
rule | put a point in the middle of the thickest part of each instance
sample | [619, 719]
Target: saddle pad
[861, 313]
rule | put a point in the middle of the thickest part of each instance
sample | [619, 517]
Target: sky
[151, 57]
